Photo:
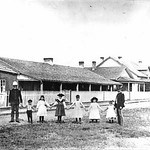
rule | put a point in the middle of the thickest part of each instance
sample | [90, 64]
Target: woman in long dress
[94, 110]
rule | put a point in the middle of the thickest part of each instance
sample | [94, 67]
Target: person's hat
[29, 101]
[94, 98]
[15, 83]
[60, 94]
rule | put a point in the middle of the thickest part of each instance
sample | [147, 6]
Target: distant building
[117, 69]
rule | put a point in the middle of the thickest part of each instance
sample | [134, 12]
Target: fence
[50, 96]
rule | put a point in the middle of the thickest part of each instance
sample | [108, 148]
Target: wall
[84, 95]
[9, 79]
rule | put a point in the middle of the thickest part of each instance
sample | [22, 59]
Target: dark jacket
[120, 99]
[15, 96]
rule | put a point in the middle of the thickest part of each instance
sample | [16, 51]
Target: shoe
[74, 122]
[18, 121]
[11, 121]
[44, 121]
[62, 121]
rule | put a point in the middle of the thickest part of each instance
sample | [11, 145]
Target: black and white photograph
[74, 75]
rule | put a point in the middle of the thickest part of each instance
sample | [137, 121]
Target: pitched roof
[4, 67]
[45, 71]
[126, 64]
[109, 72]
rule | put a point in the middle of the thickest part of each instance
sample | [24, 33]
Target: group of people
[113, 109]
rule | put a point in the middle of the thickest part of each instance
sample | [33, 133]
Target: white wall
[84, 95]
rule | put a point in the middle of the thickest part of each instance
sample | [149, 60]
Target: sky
[70, 31]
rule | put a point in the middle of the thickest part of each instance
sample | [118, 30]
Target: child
[78, 114]
[30, 108]
[42, 108]
[110, 115]
[94, 110]
[60, 107]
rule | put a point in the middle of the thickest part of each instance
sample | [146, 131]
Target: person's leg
[17, 113]
[42, 119]
[76, 119]
[12, 112]
[28, 116]
[120, 117]
[79, 120]
[31, 117]
[60, 118]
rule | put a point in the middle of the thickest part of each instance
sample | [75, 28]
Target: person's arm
[53, 104]
[123, 100]
[64, 104]
[37, 106]
[89, 108]
[47, 104]
[105, 109]
[99, 107]
[20, 96]
[71, 105]
[82, 105]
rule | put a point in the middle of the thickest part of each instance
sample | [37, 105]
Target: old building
[37, 77]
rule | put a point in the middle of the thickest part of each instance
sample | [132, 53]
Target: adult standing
[15, 99]
[119, 104]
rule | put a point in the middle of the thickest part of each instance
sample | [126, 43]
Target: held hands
[21, 105]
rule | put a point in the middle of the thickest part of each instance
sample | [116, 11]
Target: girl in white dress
[78, 111]
[42, 108]
[94, 110]
[111, 114]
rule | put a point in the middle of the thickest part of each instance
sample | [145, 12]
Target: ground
[134, 134]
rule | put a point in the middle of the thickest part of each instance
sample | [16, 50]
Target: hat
[60, 94]
[29, 101]
[94, 98]
[15, 83]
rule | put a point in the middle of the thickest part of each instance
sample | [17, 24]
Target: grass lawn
[68, 135]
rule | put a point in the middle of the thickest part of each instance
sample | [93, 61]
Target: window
[2, 85]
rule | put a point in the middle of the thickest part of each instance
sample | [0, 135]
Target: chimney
[119, 57]
[49, 60]
[140, 61]
[81, 64]
[93, 65]
[102, 58]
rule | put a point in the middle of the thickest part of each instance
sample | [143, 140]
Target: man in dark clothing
[119, 104]
[15, 99]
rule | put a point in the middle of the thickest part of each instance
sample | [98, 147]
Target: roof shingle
[45, 71]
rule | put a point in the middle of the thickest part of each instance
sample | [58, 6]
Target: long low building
[46, 76]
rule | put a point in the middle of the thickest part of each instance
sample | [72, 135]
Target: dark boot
[80, 120]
